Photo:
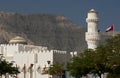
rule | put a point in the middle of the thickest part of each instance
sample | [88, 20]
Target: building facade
[30, 59]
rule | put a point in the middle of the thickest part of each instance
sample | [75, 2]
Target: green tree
[101, 61]
[104, 59]
[7, 68]
[113, 45]
[82, 64]
[91, 62]
[56, 69]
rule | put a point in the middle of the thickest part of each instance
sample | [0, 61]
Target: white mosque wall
[8, 49]
[29, 58]
[25, 55]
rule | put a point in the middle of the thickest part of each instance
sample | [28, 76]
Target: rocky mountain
[53, 31]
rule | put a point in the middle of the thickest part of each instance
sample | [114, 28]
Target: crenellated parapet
[59, 51]
[41, 51]
[21, 48]
[8, 49]
[10, 45]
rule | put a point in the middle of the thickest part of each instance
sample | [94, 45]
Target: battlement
[42, 51]
[4, 45]
[21, 48]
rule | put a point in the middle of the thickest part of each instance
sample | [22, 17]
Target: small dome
[18, 39]
[92, 11]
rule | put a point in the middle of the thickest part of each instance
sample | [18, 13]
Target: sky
[75, 10]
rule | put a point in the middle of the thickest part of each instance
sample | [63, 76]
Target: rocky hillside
[53, 31]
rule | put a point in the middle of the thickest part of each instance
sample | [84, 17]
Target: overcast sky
[75, 10]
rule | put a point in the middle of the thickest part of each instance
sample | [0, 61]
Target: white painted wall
[30, 54]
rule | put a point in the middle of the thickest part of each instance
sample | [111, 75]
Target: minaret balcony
[92, 20]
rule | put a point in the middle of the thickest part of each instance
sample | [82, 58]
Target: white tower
[92, 34]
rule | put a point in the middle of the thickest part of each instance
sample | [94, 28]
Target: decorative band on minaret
[92, 34]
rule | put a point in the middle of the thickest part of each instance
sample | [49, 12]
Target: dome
[92, 11]
[18, 40]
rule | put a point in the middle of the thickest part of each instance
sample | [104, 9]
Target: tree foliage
[113, 45]
[81, 65]
[56, 69]
[6, 67]
[104, 59]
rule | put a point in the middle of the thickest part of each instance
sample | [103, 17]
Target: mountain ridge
[49, 30]
[53, 31]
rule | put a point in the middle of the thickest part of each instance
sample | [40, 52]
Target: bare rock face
[52, 31]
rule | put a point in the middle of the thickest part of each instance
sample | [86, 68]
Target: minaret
[92, 34]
